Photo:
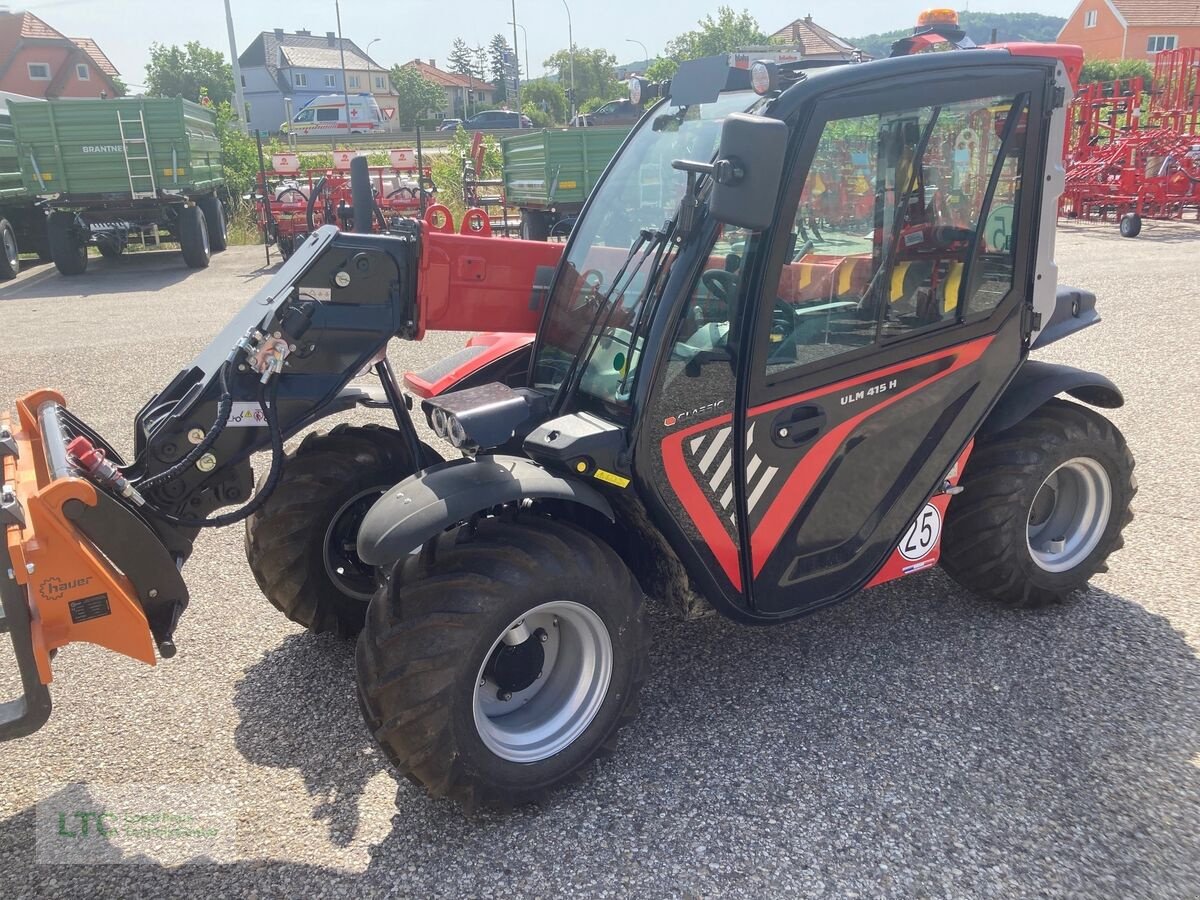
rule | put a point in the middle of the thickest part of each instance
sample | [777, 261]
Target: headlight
[457, 434]
[440, 425]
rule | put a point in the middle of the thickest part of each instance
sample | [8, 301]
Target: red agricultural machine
[1133, 149]
[293, 202]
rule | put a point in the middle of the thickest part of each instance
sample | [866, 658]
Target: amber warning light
[937, 16]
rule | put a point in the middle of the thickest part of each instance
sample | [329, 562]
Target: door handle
[798, 426]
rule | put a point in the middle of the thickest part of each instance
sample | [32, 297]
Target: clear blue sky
[425, 28]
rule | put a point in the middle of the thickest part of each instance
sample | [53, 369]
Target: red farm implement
[1133, 150]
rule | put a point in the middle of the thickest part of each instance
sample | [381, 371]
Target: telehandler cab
[783, 356]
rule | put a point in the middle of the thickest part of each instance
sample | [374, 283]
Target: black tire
[437, 621]
[534, 226]
[193, 237]
[1131, 225]
[286, 540]
[67, 247]
[109, 249]
[10, 253]
[987, 546]
[214, 218]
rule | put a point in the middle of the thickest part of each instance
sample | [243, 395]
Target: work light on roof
[764, 76]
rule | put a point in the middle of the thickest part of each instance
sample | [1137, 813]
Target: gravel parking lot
[911, 742]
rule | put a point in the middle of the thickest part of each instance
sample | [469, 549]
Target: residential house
[284, 72]
[799, 39]
[1132, 29]
[36, 60]
[464, 93]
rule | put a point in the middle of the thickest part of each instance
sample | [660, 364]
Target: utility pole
[238, 94]
[571, 54]
[342, 49]
[516, 64]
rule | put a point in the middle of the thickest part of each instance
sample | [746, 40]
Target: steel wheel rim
[345, 569]
[10, 247]
[1069, 514]
[549, 715]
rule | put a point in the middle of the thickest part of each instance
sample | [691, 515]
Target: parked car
[612, 113]
[498, 118]
[450, 125]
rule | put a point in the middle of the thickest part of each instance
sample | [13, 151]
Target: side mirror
[748, 171]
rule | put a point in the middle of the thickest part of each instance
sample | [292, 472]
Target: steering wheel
[720, 283]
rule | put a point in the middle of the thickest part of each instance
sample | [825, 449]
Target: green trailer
[22, 221]
[548, 174]
[112, 171]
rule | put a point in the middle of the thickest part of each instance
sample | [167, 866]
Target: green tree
[595, 73]
[1112, 69]
[547, 98]
[417, 96]
[498, 70]
[184, 71]
[462, 60]
[725, 33]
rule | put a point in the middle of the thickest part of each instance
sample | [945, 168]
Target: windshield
[608, 261]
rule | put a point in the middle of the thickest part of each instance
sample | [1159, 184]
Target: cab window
[903, 226]
[305, 115]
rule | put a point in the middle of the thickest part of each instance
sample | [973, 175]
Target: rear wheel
[301, 545]
[214, 218]
[1131, 225]
[109, 249]
[1042, 508]
[193, 237]
[497, 664]
[68, 249]
[534, 226]
[10, 259]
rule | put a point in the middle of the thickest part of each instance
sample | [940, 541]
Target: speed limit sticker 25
[922, 535]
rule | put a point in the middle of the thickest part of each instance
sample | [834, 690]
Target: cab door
[890, 313]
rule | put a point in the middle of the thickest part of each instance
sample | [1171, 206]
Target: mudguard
[1037, 381]
[427, 503]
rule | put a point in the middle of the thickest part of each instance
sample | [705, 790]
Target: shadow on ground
[145, 272]
[1153, 232]
[910, 742]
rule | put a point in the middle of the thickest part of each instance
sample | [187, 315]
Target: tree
[462, 60]
[547, 98]
[729, 31]
[500, 70]
[184, 71]
[595, 73]
[417, 96]
[1112, 69]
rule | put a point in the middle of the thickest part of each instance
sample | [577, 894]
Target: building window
[329, 81]
[1089, 18]
[39, 71]
[81, 71]
[243, 81]
[300, 79]
[379, 81]
[353, 81]
[1159, 42]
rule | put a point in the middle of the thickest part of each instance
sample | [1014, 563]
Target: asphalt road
[911, 742]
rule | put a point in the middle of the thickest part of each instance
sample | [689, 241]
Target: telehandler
[783, 356]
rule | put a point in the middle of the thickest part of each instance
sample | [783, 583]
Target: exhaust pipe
[360, 194]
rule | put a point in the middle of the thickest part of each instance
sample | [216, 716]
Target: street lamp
[571, 52]
[645, 52]
[528, 73]
[517, 75]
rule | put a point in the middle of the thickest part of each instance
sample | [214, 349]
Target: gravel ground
[911, 742]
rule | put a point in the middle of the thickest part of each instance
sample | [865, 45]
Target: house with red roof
[37, 60]
[464, 93]
[799, 39]
[1132, 29]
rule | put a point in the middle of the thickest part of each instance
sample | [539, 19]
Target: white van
[327, 115]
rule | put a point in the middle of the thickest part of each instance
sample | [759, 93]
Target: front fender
[1037, 381]
[427, 503]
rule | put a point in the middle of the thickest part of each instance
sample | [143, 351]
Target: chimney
[278, 32]
[808, 18]
[303, 32]
[331, 37]
[433, 63]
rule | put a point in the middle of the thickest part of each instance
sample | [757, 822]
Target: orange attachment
[74, 593]
[937, 16]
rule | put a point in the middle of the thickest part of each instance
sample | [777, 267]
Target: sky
[426, 28]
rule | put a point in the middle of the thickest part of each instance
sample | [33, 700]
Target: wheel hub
[1069, 515]
[342, 563]
[515, 667]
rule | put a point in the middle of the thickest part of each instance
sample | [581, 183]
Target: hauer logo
[55, 588]
[689, 414]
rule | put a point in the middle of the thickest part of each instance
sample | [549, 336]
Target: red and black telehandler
[785, 355]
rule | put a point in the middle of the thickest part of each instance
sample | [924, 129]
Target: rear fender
[427, 503]
[1037, 381]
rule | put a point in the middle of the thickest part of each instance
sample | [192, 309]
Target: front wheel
[1042, 508]
[498, 663]
[193, 237]
[10, 254]
[68, 248]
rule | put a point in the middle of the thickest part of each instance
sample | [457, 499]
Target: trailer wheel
[10, 258]
[193, 237]
[1042, 507]
[1131, 225]
[109, 249]
[214, 218]
[534, 226]
[300, 544]
[503, 659]
[66, 249]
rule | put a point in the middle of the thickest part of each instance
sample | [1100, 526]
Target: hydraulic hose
[224, 408]
[268, 486]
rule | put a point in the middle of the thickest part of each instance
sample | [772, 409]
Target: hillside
[979, 25]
